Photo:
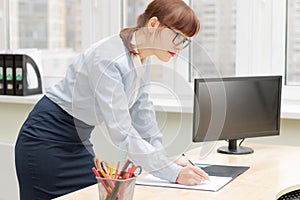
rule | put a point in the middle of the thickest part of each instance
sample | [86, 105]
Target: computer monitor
[234, 108]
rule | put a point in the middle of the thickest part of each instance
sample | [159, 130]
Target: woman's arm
[110, 96]
[143, 117]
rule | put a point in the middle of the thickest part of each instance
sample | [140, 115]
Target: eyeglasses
[179, 38]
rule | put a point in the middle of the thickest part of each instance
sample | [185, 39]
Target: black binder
[18, 84]
[9, 74]
[27, 79]
[20, 75]
[2, 76]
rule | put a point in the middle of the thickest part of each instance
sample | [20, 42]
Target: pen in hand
[207, 177]
[188, 159]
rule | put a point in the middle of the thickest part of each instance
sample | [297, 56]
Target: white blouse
[106, 84]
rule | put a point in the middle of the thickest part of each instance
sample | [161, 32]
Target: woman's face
[164, 48]
[164, 42]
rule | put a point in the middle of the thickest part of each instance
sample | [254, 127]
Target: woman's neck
[142, 45]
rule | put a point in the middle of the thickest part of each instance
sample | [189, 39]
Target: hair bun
[141, 20]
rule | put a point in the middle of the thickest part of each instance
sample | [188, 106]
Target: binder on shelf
[2, 76]
[27, 80]
[9, 74]
[21, 75]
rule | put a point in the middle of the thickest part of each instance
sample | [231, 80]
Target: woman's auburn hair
[174, 13]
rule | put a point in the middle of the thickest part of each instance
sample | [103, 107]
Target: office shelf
[32, 99]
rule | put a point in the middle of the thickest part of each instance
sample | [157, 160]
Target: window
[213, 49]
[56, 30]
[249, 37]
[132, 9]
[293, 43]
[53, 27]
[45, 24]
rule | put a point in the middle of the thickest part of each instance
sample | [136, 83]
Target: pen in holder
[117, 185]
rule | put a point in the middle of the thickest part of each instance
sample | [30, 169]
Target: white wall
[11, 119]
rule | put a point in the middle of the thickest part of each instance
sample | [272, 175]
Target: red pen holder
[116, 189]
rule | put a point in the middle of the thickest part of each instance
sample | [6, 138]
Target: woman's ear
[152, 24]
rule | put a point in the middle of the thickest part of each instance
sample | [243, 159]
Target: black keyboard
[293, 195]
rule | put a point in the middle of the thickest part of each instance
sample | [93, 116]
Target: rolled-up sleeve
[110, 96]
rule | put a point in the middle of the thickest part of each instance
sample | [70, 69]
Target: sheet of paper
[214, 184]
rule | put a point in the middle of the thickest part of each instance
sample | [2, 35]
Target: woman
[106, 83]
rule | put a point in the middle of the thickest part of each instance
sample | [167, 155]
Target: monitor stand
[232, 148]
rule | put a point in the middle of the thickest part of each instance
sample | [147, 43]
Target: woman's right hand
[191, 175]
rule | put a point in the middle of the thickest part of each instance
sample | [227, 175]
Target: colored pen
[103, 167]
[117, 170]
[124, 168]
[98, 163]
[112, 184]
[103, 172]
[127, 173]
[131, 171]
[95, 172]
[106, 175]
[111, 169]
[107, 167]
[102, 182]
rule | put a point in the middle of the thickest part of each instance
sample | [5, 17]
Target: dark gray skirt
[53, 154]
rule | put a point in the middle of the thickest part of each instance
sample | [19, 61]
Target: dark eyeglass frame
[185, 39]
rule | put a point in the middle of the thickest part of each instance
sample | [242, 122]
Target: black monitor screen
[236, 108]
